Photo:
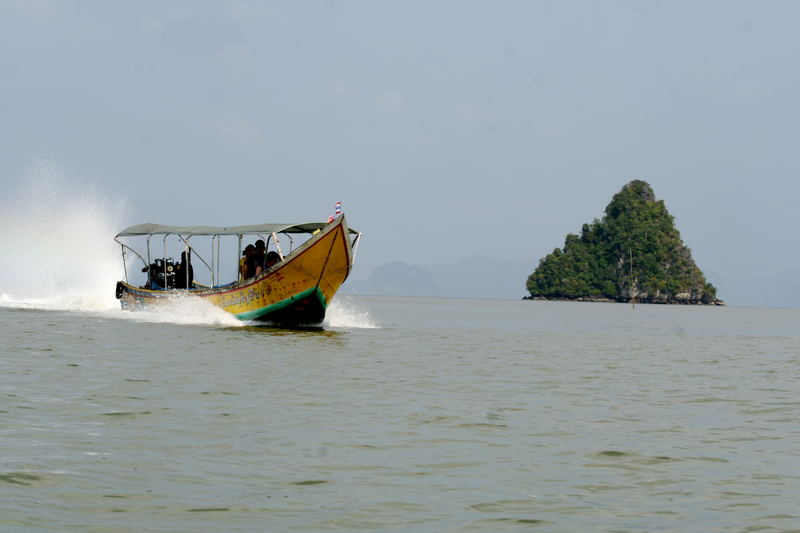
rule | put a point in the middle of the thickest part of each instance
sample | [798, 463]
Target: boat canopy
[253, 229]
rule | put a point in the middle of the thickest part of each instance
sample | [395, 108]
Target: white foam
[345, 313]
[57, 243]
[181, 309]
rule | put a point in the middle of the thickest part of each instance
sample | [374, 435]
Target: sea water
[398, 414]
[401, 413]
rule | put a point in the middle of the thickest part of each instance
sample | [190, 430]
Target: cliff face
[634, 252]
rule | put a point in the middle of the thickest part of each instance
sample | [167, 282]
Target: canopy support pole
[124, 263]
[165, 260]
[355, 247]
[239, 275]
[278, 245]
[200, 257]
[149, 262]
[218, 241]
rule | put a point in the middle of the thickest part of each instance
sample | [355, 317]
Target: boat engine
[161, 274]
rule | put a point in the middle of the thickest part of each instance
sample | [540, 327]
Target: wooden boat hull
[296, 291]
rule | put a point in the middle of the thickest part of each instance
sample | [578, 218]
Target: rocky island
[634, 253]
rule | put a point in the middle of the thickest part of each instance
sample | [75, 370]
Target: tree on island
[634, 252]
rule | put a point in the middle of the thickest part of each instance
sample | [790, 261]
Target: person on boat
[250, 262]
[184, 274]
[272, 259]
[260, 256]
[244, 273]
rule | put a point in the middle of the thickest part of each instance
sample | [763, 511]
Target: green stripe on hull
[258, 313]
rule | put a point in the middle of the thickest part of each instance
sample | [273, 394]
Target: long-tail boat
[294, 291]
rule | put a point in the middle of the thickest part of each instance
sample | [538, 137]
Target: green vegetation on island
[633, 253]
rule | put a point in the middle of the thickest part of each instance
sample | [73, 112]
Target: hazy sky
[446, 128]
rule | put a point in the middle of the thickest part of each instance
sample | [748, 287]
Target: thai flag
[338, 208]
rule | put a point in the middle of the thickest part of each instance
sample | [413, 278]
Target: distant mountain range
[488, 277]
[474, 277]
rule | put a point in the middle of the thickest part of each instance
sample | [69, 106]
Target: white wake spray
[345, 313]
[180, 309]
[56, 244]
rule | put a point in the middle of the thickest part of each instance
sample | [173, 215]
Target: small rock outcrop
[633, 253]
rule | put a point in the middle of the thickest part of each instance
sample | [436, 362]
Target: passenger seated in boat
[244, 273]
[272, 259]
[184, 274]
[260, 256]
[250, 263]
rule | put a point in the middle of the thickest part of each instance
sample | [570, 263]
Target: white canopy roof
[253, 229]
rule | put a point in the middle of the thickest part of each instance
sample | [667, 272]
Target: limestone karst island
[634, 253]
